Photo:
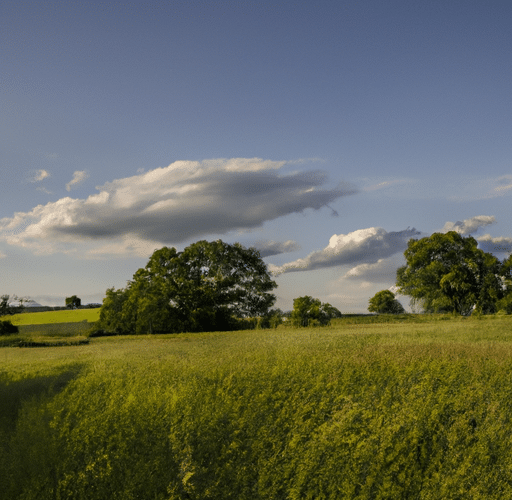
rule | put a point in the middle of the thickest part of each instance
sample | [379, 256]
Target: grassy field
[359, 410]
[51, 328]
[52, 317]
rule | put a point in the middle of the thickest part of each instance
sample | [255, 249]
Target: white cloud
[39, 175]
[185, 200]
[358, 247]
[382, 271]
[469, 226]
[2, 255]
[268, 248]
[500, 244]
[78, 177]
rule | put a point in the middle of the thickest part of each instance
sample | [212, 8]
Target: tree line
[447, 272]
[209, 286]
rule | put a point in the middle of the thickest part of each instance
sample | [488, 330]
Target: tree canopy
[7, 307]
[308, 311]
[208, 286]
[384, 302]
[73, 302]
[447, 272]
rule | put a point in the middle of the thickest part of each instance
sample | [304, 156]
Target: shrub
[7, 328]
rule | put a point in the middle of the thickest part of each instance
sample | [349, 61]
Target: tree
[272, 319]
[505, 303]
[208, 286]
[7, 307]
[308, 311]
[447, 272]
[384, 302]
[73, 302]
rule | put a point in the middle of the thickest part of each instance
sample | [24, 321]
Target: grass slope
[366, 411]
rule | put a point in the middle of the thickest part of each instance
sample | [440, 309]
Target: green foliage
[403, 411]
[6, 305]
[209, 286]
[505, 304]
[308, 311]
[448, 273]
[73, 302]
[272, 319]
[384, 302]
[7, 328]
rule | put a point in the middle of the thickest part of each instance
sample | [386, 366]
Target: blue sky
[325, 133]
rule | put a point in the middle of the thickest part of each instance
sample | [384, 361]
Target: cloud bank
[469, 226]
[499, 244]
[269, 248]
[185, 200]
[364, 246]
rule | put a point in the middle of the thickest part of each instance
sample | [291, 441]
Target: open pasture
[52, 317]
[360, 410]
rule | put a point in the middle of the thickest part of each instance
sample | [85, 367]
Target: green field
[360, 410]
[50, 317]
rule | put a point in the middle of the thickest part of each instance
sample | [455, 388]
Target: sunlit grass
[50, 317]
[368, 410]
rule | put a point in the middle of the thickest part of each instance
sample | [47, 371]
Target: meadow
[51, 328]
[55, 317]
[410, 407]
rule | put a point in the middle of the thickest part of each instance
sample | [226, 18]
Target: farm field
[365, 410]
[51, 317]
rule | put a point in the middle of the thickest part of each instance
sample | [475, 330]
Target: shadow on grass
[14, 395]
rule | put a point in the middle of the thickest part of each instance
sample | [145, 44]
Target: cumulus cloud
[495, 245]
[78, 177]
[469, 226]
[268, 248]
[39, 175]
[185, 200]
[382, 271]
[364, 246]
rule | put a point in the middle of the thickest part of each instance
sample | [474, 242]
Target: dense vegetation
[308, 311]
[208, 286]
[410, 408]
[384, 302]
[446, 272]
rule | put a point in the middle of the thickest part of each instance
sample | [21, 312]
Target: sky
[324, 133]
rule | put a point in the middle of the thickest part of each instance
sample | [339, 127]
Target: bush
[308, 311]
[384, 302]
[7, 328]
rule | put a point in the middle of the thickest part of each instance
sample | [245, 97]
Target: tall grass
[412, 410]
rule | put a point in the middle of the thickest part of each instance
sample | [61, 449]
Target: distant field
[49, 317]
[363, 410]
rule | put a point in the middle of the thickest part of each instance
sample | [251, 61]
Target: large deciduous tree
[447, 272]
[206, 287]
